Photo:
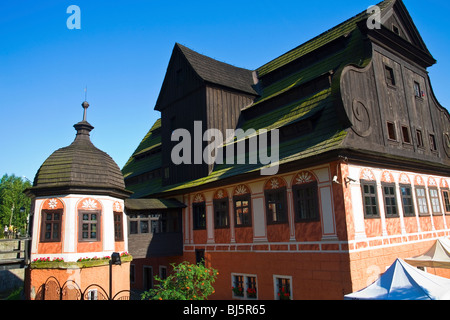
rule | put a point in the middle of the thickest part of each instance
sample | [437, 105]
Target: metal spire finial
[85, 104]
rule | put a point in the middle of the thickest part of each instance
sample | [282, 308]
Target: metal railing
[70, 290]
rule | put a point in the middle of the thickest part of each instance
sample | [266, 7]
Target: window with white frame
[434, 199]
[244, 286]
[421, 200]
[282, 287]
[407, 200]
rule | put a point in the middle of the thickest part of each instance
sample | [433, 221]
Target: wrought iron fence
[70, 290]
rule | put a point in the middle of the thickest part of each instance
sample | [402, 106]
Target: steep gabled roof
[217, 72]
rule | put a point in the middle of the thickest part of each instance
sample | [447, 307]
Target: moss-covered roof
[328, 132]
[319, 41]
[326, 136]
[79, 168]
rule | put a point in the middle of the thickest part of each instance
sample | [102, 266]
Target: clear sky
[122, 51]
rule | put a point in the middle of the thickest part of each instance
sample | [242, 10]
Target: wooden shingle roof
[320, 40]
[217, 72]
[152, 204]
[79, 168]
[329, 131]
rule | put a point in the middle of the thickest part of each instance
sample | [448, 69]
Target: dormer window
[395, 29]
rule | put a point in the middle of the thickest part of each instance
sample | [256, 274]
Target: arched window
[445, 195]
[389, 194]
[242, 206]
[118, 222]
[276, 204]
[199, 212]
[407, 196]
[52, 212]
[421, 195]
[434, 196]
[306, 198]
[369, 194]
[221, 215]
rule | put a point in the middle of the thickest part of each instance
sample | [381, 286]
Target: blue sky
[121, 54]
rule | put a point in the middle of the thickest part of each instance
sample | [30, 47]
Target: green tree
[12, 200]
[187, 282]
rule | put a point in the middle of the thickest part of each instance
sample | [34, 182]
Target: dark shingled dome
[80, 168]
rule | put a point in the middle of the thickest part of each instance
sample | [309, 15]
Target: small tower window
[90, 225]
[51, 225]
[118, 226]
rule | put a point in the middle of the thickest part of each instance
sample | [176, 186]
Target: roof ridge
[189, 50]
[219, 72]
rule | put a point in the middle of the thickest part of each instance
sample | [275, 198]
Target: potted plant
[284, 295]
[238, 291]
[251, 293]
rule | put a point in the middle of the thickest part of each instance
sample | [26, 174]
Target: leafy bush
[187, 282]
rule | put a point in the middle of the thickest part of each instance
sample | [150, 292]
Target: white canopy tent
[405, 282]
[437, 257]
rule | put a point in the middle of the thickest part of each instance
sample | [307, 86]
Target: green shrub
[187, 282]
